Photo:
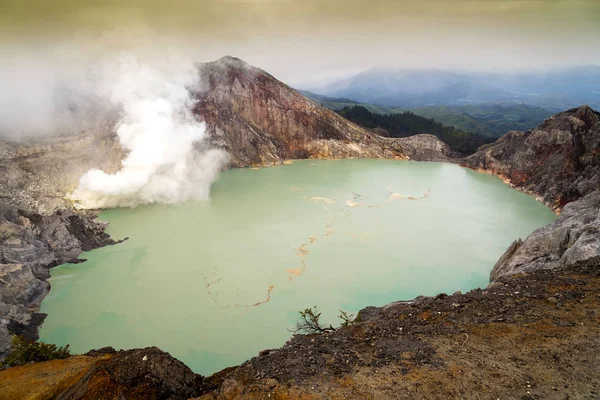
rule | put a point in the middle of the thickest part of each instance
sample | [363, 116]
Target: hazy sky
[303, 41]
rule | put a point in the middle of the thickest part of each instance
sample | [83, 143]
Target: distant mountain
[492, 120]
[553, 90]
[409, 88]
[408, 124]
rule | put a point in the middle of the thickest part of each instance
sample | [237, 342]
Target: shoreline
[504, 178]
[94, 213]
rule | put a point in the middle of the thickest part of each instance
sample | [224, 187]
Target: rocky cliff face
[573, 239]
[259, 120]
[30, 244]
[37, 228]
[426, 147]
[559, 161]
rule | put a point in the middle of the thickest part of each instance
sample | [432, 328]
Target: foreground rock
[105, 374]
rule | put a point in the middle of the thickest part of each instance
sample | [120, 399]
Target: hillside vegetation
[492, 120]
[487, 119]
[409, 124]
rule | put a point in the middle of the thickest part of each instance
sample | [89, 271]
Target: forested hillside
[409, 124]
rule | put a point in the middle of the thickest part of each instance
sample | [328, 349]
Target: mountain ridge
[488, 119]
[396, 87]
[259, 120]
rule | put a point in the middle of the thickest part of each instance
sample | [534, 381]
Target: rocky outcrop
[573, 239]
[559, 161]
[21, 295]
[38, 230]
[105, 374]
[259, 120]
[30, 244]
[35, 175]
[425, 147]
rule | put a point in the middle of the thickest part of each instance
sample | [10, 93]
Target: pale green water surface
[215, 282]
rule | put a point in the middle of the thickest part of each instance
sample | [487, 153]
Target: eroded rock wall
[30, 244]
[259, 120]
[426, 147]
[574, 238]
[559, 160]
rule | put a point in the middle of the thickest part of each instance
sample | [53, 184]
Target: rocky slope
[559, 160]
[37, 228]
[36, 174]
[546, 291]
[102, 374]
[259, 120]
[573, 239]
[426, 148]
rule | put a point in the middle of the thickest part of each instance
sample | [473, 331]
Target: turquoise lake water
[215, 282]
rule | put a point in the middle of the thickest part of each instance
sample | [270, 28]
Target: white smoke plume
[165, 163]
[143, 80]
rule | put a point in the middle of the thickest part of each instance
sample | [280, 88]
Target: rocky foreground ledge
[531, 334]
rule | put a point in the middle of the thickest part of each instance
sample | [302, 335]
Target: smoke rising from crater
[141, 83]
[166, 162]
